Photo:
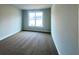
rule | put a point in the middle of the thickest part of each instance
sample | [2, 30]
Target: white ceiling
[32, 6]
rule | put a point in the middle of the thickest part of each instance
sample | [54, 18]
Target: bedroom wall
[78, 29]
[46, 20]
[10, 21]
[64, 28]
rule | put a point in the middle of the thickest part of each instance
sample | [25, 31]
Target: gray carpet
[28, 43]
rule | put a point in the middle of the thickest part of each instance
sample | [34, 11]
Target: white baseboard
[8, 35]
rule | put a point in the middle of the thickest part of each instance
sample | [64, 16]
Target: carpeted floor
[28, 43]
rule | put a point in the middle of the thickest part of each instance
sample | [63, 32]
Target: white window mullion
[35, 18]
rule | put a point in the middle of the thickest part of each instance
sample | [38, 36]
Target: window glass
[36, 19]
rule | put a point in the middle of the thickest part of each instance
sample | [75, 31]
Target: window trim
[35, 18]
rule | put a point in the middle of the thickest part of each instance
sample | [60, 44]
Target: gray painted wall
[46, 20]
[10, 21]
[64, 28]
[78, 29]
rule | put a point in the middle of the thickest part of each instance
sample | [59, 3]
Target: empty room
[38, 29]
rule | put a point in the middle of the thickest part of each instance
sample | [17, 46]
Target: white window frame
[35, 18]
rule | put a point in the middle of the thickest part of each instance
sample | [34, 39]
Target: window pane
[39, 23]
[31, 19]
[39, 19]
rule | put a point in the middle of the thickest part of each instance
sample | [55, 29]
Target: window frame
[35, 18]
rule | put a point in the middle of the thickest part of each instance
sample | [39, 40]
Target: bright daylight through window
[36, 19]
